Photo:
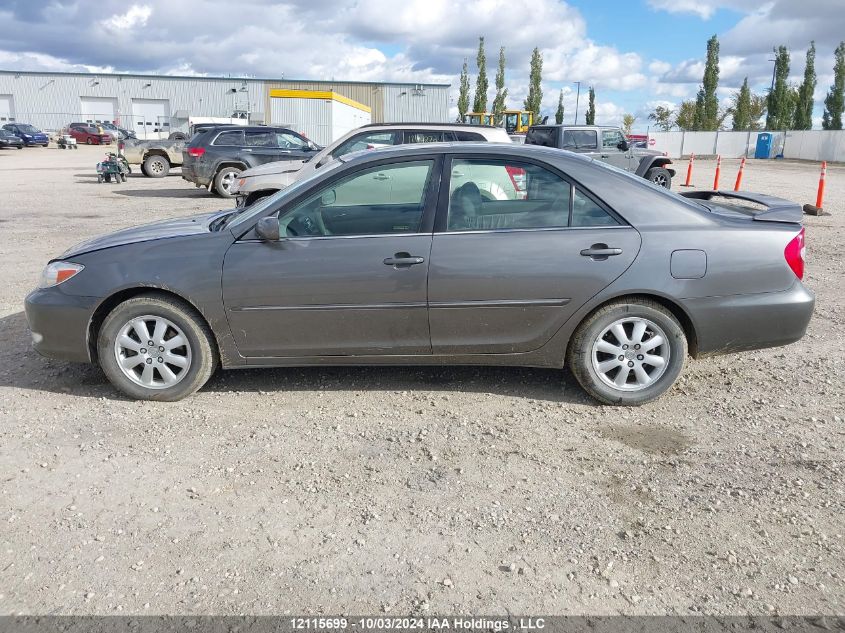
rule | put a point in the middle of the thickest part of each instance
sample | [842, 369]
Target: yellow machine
[478, 118]
[518, 121]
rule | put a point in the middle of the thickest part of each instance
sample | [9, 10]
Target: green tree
[480, 103]
[781, 103]
[535, 90]
[758, 111]
[559, 112]
[834, 102]
[699, 109]
[501, 91]
[804, 107]
[741, 109]
[710, 103]
[685, 119]
[590, 118]
[463, 94]
[662, 117]
[628, 123]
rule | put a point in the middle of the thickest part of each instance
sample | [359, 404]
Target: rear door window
[488, 194]
[580, 139]
[255, 138]
[468, 137]
[543, 136]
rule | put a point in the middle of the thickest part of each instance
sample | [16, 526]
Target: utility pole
[578, 97]
[774, 69]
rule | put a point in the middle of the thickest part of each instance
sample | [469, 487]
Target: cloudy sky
[637, 53]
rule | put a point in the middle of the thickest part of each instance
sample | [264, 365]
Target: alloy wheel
[660, 179]
[153, 352]
[631, 354]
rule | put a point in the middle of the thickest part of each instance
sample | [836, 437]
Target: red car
[88, 134]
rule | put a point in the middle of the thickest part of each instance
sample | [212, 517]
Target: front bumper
[59, 323]
[739, 323]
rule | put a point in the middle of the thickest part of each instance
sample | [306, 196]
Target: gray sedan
[436, 254]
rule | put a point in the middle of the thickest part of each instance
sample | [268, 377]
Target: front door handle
[600, 252]
[403, 260]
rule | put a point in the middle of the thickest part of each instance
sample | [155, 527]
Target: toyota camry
[469, 254]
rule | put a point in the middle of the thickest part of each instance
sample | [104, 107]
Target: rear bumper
[58, 323]
[747, 322]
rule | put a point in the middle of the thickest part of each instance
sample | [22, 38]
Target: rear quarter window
[543, 136]
[468, 137]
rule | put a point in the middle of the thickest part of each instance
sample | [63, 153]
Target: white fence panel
[669, 142]
[815, 145]
[736, 144]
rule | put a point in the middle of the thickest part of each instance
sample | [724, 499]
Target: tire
[586, 357]
[659, 176]
[156, 166]
[177, 136]
[99, 178]
[222, 180]
[88, 141]
[198, 356]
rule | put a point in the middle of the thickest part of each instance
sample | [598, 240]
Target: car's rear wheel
[659, 176]
[154, 347]
[156, 166]
[88, 141]
[628, 352]
[223, 181]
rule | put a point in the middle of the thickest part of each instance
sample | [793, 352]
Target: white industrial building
[157, 105]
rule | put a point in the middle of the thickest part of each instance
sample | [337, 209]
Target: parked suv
[88, 134]
[608, 144]
[30, 135]
[214, 157]
[263, 181]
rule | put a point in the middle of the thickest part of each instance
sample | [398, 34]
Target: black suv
[214, 157]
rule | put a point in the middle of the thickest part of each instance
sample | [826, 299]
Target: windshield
[257, 208]
[27, 129]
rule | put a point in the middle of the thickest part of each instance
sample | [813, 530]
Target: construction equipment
[518, 121]
[478, 118]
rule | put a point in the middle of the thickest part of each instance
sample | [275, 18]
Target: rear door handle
[403, 260]
[600, 252]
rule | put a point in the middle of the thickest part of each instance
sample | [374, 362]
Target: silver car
[259, 182]
[573, 262]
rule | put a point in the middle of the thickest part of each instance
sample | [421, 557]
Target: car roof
[439, 126]
[505, 150]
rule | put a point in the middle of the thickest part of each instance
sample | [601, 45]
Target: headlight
[58, 272]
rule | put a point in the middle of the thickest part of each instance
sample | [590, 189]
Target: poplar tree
[742, 108]
[710, 111]
[781, 102]
[501, 91]
[463, 94]
[834, 103]
[559, 113]
[804, 108]
[590, 118]
[534, 99]
[480, 104]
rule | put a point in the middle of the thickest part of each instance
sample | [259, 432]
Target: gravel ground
[459, 490]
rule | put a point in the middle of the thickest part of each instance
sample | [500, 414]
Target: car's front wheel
[659, 176]
[155, 347]
[628, 352]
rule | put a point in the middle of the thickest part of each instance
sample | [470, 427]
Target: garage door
[7, 108]
[99, 109]
[151, 118]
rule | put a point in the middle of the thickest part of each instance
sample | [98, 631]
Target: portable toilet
[764, 145]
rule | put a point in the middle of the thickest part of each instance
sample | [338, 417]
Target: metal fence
[815, 145]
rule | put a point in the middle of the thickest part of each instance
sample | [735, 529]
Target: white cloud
[136, 16]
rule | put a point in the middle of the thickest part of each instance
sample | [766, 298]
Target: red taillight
[517, 176]
[196, 152]
[794, 254]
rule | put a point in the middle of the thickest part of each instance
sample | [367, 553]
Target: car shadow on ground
[183, 192]
[22, 368]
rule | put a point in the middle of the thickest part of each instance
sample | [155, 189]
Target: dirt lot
[413, 490]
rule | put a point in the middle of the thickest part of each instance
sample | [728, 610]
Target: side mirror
[623, 145]
[267, 229]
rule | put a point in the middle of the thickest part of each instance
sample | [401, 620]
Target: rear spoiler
[777, 209]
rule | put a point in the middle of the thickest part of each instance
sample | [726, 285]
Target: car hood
[179, 227]
[270, 169]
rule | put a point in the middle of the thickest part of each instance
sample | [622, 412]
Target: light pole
[577, 99]
[774, 69]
